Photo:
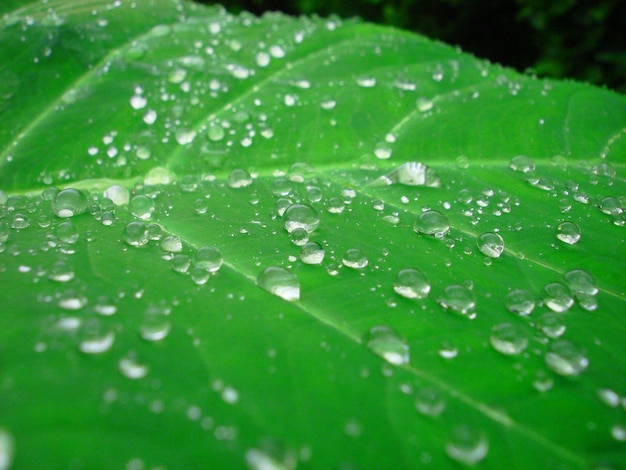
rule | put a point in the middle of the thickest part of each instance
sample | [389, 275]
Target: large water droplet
[459, 299]
[301, 216]
[69, 202]
[557, 297]
[141, 206]
[156, 324]
[208, 258]
[355, 259]
[568, 232]
[508, 339]
[432, 223]
[521, 302]
[280, 282]
[565, 358]
[412, 284]
[467, 445]
[430, 401]
[491, 244]
[581, 282]
[386, 343]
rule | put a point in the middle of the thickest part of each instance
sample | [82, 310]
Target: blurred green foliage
[580, 39]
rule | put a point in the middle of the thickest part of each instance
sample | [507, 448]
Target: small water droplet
[156, 324]
[312, 253]
[618, 432]
[467, 445]
[20, 221]
[135, 234]
[71, 299]
[172, 244]
[430, 401]
[67, 232]
[215, 132]
[557, 297]
[95, 337]
[335, 205]
[301, 216]
[299, 236]
[141, 206]
[354, 258]
[280, 282]
[508, 339]
[386, 343]
[131, 368]
[208, 258]
[448, 350]
[410, 174]
[543, 381]
[61, 271]
[611, 206]
[412, 284]
[239, 178]
[69, 202]
[552, 325]
[118, 194]
[459, 299]
[383, 151]
[7, 449]
[581, 282]
[565, 358]
[609, 397]
[568, 232]
[491, 244]
[424, 104]
[432, 223]
[521, 302]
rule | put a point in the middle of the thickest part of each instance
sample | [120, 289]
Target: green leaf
[124, 344]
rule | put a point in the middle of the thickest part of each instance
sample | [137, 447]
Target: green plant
[162, 165]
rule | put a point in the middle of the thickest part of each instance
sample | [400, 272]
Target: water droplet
[366, 82]
[520, 302]
[271, 456]
[67, 232]
[95, 337]
[299, 236]
[280, 282]
[301, 216]
[491, 244]
[568, 232]
[611, 206]
[430, 401]
[312, 253]
[383, 151]
[135, 234]
[131, 368]
[587, 301]
[181, 263]
[215, 132]
[355, 258]
[609, 397]
[71, 299]
[552, 325]
[522, 163]
[543, 381]
[432, 223]
[508, 339]
[69, 202]
[172, 244]
[20, 221]
[105, 306]
[412, 284]
[386, 343]
[200, 206]
[565, 358]
[335, 205]
[557, 297]
[448, 350]
[61, 271]
[410, 174]
[239, 178]
[581, 282]
[7, 449]
[141, 206]
[118, 194]
[156, 324]
[208, 258]
[459, 299]
[618, 432]
[467, 445]
[424, 104]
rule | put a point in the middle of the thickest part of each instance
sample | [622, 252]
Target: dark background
[580, 39]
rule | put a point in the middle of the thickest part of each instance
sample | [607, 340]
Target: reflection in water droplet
[355, 259]
[520, 302]
[568, 232]
[557, 297]
[7, 449]
[135, 234]
[552, 325]
[430, 401]
[508, 339]
[491, 244]
[467, 445]
[565, 358]
[301, 216]
[69, 202]
[386, 343]
[312, 253]
[280, 282]
[458, 299]
[412, 284]
[432, 223]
